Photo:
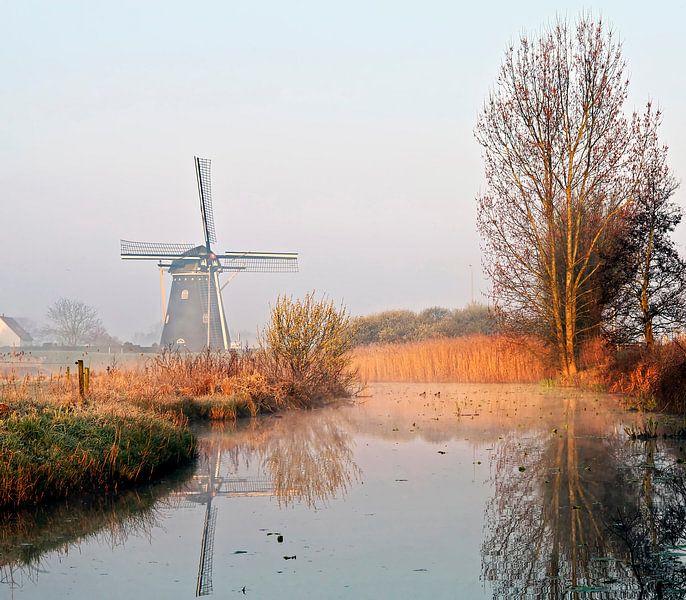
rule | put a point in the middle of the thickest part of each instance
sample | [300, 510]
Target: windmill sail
[259, 262]
[204, 585]
[152, 250]
[203, 173]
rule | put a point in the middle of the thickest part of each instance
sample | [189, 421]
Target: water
[479, 492]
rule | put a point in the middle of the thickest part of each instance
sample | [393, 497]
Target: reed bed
[469, 359]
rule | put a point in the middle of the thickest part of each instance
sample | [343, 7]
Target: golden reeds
[469, 359]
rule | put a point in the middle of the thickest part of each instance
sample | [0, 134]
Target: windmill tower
[194, 317]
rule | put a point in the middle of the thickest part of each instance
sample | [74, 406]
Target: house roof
[24, 335]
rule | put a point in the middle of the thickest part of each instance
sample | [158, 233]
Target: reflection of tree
[651, 533]
[306, 458]
[27, 536]
[310, 463]
[588, 517]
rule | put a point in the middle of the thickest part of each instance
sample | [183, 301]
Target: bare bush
[306, 347]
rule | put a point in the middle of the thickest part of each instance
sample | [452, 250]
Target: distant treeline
[397, 326]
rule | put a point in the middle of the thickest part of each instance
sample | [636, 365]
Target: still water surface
[413, 491]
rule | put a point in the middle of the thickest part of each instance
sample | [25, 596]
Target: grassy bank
[469, 359]
[50, 452]
[132, 424]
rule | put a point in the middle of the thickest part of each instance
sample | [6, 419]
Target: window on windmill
[205, 318]
[184, 294]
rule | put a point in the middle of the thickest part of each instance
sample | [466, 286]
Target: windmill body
[194, 316]
[195, 312]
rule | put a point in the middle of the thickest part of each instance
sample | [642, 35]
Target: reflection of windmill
[195, 316]
[207, 484]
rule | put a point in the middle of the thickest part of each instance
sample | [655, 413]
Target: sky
[339, 130]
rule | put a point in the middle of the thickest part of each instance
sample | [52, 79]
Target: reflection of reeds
[471, 359]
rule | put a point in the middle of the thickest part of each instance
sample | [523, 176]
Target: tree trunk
[645, 294]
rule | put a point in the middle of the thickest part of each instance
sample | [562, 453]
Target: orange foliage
[656, 378]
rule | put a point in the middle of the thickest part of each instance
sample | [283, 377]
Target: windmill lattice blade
[152, 250]
[203, 172]
[259, 262]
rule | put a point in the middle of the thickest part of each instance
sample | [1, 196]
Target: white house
[12, 334]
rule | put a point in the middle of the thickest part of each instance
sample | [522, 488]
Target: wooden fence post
[82, 390]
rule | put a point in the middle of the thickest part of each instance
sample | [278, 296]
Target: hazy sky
[339, 130]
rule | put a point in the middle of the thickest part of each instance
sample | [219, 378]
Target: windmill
[194, 316]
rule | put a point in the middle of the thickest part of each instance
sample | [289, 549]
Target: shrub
[306, 349]
[396, 326]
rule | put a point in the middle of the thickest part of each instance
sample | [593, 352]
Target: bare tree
[555, 141]
[74, 323]
[647, 275]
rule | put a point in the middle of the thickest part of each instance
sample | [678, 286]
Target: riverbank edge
[50, 452]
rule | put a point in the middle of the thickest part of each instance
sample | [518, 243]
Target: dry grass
[470, 359]
[209, 385]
